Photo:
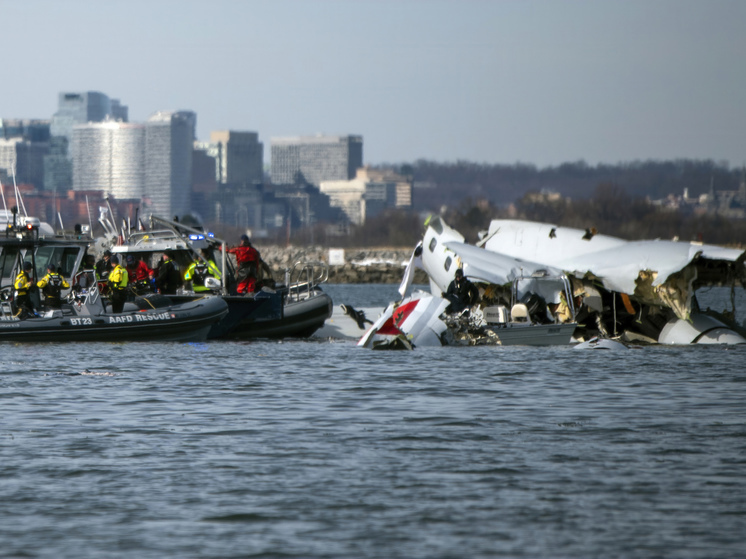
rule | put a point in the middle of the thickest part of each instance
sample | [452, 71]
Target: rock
[362, 265]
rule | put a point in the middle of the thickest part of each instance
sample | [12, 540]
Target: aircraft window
[433, 244]
[447, 264]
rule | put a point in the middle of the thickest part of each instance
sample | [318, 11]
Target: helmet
[244, 237]
[130, 259]
[28, 266]
[459, 272]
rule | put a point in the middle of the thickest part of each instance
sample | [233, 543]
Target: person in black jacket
[461, 293]
[104, 266]
[168, 278]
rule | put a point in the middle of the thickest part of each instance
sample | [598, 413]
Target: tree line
[613, 199]
[446, 184]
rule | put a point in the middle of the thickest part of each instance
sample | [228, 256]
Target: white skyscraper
[109, 156]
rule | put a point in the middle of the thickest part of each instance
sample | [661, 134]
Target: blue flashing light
[211, 235]
[196, 237]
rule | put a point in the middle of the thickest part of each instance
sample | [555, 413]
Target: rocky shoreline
[351, 265]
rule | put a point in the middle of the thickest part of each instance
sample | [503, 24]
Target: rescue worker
[200, 270]
[117, 281]
[139, 274]
[51, 285]
[168, 278]
[104, 266]
[23, 285]
[247, 259]
[461, 293]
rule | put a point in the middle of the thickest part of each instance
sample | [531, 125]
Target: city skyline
[495, 82]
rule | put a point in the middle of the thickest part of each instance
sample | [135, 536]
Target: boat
[85, 319]
[83, 316]
[295, 307]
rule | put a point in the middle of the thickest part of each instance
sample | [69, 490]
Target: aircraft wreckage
[538, 281]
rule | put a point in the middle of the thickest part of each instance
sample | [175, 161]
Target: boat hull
[269, 315]
[298, 319]
[189, 322]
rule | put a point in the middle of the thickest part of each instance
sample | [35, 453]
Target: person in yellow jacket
[22, 298]
[51, 285]
[118, 280]
[201, 269]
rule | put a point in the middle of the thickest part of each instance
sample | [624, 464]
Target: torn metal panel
[415, 319]
[656, 272]
[630, 290]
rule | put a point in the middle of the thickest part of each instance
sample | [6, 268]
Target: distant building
[239, 157]
[23, 145]
[730, 204]
[31, 130]
[83, 107]
[109, 156]
[204, 181]
[75, 108]
[398, 188]
[150, 163]
[348, 196]
[169, 143]
[313, 159]
[368, 194]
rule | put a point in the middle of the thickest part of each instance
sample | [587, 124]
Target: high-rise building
[314, 159]
[109, 156]
[23, 145]
[75, 108]
[80, 108]
[150, 162]
[31, 130]
[239, 157]
[169, 140]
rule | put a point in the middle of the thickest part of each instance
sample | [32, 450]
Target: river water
[317, 448]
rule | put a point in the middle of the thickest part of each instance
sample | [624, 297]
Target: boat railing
[6, 310]
[139, 238]
[302, 279]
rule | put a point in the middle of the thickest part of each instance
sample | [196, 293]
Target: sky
[541, 82]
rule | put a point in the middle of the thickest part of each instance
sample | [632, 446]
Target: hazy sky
[540, 82]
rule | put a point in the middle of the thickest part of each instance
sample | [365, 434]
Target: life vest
[118, 278]
[200, 273]
[53, 286]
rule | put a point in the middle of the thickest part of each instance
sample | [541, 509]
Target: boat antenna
[2, 191]
[62, 225]
[111, 212]
[90, 222]
[18, 193]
